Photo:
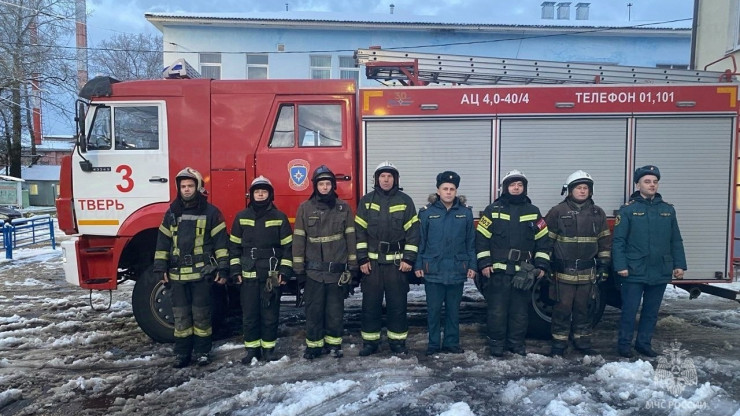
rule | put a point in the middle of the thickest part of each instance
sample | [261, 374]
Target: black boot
[398, 347]
[204, 359]
[268, 354]
[519, 350]
[312, 352]
[497, 351]
[251, 353]
[181, 361]
[335, 351]
[557, 351]
[368, 348]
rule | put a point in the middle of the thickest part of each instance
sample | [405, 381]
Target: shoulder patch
[484, 222]
[541, 224]
[618, 219]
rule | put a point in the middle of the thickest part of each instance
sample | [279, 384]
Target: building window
[33, 189]
[210, 65]
[257, 64]
[564, 11]
[320, 66]
[582, 11]
[347, 69]
[548, 10]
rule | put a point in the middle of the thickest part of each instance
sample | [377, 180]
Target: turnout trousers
[571, 311]
[507, 312]
[260, 312]
[191, 307]
[324, 313]
[384, 279]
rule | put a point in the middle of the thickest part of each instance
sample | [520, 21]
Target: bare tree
[127, 56]
[33, 39]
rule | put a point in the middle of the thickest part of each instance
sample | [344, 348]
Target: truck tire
[540, 314]
[152, 306]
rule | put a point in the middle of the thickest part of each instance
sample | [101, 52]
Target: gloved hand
[602, 274]
[524, 280]
[300, 279]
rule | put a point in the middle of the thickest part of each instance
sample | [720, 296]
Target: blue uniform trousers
[651, 296]
[451, 296]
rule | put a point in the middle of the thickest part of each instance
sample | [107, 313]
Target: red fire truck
[135, 136]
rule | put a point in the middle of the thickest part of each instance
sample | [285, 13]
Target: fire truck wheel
[152, 306]
[540, 314]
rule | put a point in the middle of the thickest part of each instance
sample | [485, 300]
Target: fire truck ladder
[410, 68]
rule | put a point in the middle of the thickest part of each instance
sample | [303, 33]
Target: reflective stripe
[397, 208]
[252, 344]
[541, 255]
[287, 240]
[234, 261]
[202, 332]
[217, 229]
[564, 239]
[268, 344]
[249, 275]
[164, 230]
[297, 259]
[374, 206]
[484, 231]
[286, 262]
[327, 239]
[332, 340]
[161, 255]
[191, 217]
[398, 336]
[388, 257]
[482, 254]
[246, 221]
[222, 252]
[411, 247]
[410, 223]
[543, 232]
[501, 215]
[528, 217]
[373, 256]
[352, 257]
[605, 254]
[273, 223]
[184, 276]
[314, 344]
[502, 266]
[299, 232]
[349, 230]
[359, 221]
[361, 246]
[604, 233]
[370, 336]
[234, 239]
[560, 337]
[184, 333]
[574, 277]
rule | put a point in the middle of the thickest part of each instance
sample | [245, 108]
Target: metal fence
[22, 232]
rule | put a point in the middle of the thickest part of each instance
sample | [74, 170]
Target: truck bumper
[70, 261]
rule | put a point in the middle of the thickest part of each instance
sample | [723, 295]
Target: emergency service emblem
[298, 170]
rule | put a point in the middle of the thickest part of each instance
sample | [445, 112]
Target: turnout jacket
[447, 248]
[257, 238]
[647, 241]
[324, 235]
[192, 241]
[510, 232]
[387, 228]
[581, 240]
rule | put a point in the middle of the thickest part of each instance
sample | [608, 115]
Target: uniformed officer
[648, 252]
[324, 250]
[446, 258]
[191, 252]
[261, 260]
[387, 243]
[512, 250]
[580, 259]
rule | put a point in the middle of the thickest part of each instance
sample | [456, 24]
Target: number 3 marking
[129, 183]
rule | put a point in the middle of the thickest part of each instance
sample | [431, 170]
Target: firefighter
[261, 260]
[648, 252]
[387, 243]
[446, 258]
[324, 258]
[581, 258]
[512, 250]
[191, 252]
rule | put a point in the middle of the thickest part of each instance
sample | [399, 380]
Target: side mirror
[80, 119]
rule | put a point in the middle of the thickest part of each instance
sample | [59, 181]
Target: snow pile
[9, 396]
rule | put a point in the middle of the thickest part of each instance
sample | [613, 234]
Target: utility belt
[512, 258]
[330, 267]
[189, 260]
[386, 247]
[263, 253]
[573, 266]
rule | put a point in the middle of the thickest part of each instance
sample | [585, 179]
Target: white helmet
[386, 166]
[514, 175]
[190, 173]
[262, 182]
[576, 178]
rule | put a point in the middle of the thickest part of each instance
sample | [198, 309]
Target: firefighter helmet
[190, 173]
[386, 166]
[576, 178]
[261, 182]
[511, 176]
[323, 173]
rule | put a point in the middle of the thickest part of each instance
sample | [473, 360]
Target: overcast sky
[110, 16]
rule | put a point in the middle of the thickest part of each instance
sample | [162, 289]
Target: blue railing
[23, 232]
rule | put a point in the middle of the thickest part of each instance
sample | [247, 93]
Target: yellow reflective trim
[184, 333]
[397, 208]
[184, 276]
[314, 344]
[164, 230]
[528, 217]
[201, 332]
[352, 257]
[287, 240]
[604, 254]
[574, 277]
[327, 239]
[604, 233]
[501, 216]
[349, 230]
[373, 256]
[398, 336]
[410, 222]
[234, 239]
[502, 266]
[246, 221]
[249, 275]
[299, 232]
[411, 247]
[373, 206]
[393, 257]
[359, 221]
[161, 255]
[297, 259]
[273, 223]
[286, 262]
[252, 344]
[222, 252]
[332, 340]
[361, 246]
[564, 239]
[483, 231]
[552, 235]
[267, 344]
[482, 254]
[543, 232]
[541, 255]
[200, 226]
[217, 229]
[370, 336]
[234, 261]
